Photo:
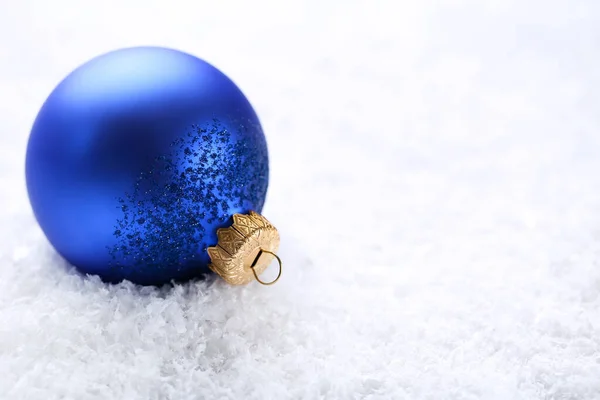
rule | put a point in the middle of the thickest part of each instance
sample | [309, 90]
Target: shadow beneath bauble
[162, 290]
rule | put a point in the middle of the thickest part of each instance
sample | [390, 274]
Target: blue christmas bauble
[137, 158]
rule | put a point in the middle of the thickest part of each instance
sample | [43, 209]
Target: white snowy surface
[435, 178]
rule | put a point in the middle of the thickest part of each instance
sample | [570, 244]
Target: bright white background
[435, 178]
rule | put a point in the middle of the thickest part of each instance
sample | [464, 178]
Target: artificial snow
[434, 176]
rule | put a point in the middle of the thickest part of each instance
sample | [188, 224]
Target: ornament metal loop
[260, 253]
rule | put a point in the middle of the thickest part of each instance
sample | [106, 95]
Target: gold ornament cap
[245, 249]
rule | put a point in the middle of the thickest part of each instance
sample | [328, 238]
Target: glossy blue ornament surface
[137, 158]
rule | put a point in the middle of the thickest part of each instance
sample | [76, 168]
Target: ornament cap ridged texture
[238, 251]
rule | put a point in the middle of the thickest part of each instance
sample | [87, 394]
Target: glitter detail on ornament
[193, 188]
